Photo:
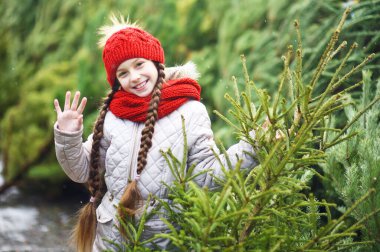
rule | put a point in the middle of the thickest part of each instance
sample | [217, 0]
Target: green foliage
[353, 167]
[23, 129]
[270, 207]
[261, 30]
[51, 172]
[131, 230]
[40, 37]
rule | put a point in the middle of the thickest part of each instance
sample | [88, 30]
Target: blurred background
[48, 47]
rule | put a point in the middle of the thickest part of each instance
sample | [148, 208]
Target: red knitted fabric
[127, 44]
[174, 93]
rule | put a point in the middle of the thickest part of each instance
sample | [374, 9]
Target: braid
[147, 132]
[131, 197]
[83, 234]
[95, 179]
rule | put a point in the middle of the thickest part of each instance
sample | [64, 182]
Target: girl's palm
[71, 118]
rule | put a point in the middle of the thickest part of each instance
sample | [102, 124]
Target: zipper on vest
[134, 151]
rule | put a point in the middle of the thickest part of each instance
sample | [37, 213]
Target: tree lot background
[48, 47]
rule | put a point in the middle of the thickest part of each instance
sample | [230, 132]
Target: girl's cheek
[123, 81]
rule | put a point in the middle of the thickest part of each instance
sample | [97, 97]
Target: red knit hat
[130, 43]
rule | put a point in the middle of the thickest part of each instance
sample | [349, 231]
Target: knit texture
[127, 44]
[174, 93]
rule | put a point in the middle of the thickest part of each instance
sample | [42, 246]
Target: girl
[121, 161]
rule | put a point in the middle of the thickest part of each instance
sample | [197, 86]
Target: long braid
[83, 234]
[147, 132]
[131, 198]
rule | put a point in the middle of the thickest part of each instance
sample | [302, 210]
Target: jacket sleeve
[202, 144]
[74, 155]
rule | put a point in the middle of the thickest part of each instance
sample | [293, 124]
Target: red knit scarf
[174, 93]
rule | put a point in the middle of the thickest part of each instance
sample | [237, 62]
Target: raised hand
[71, 118]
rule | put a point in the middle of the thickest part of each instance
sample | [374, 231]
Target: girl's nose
[135, 76]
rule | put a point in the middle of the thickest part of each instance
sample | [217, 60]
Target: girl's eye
[122, 74]
[140, 63]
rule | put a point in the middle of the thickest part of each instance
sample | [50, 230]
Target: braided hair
[131, 198]
[83, 234]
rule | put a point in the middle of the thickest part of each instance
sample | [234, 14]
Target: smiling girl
[141, 116]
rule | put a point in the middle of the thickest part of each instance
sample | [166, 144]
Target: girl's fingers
[67, 100]
[80, 120]
[266, 124]
[280, 135]
[74, 105]
[57, 107]
[82, 105]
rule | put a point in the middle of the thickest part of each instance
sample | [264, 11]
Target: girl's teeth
[141, 85]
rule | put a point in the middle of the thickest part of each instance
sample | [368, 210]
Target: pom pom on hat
[125, 40]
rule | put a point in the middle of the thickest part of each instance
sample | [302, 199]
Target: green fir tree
[353, 167]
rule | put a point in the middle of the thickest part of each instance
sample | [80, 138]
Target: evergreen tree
[353, 167]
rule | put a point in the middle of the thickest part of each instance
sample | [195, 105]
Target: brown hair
[83, 234]
[129, 202]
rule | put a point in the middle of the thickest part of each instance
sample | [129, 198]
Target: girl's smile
[137, 76]
[141, 86]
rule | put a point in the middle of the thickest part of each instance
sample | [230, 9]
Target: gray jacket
[119, 148]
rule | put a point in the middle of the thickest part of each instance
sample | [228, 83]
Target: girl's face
[137, 76]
